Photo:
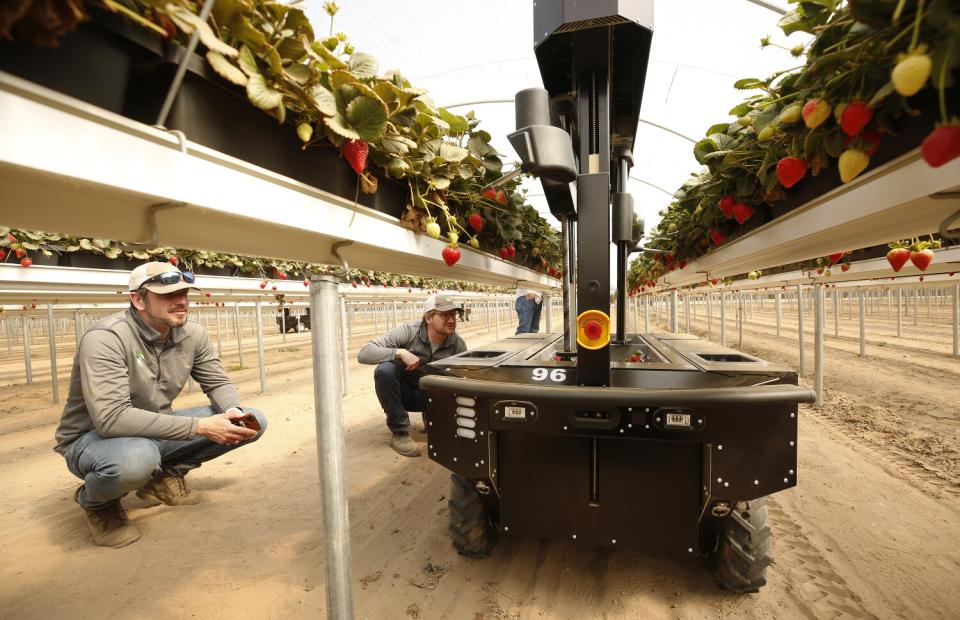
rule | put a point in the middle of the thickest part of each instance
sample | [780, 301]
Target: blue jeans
[398, 392]
[528, 314]
[111, 467]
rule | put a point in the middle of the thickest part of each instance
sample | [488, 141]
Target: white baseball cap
[441, 303]
[161, 278]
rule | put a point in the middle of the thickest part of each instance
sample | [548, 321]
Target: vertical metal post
[78, 331]
[53, 354]
[260, 357]
[26, 349]
[777, 309]
[800, 325]
[282, 321]
[394, 312]
[899, 313]
[331, 446]
[723, 319]
[686, 311]
[836, 313]
[674, 313]
[926, 299]
[219, 339]
[709, 303]
[819, 320]
[740, 318]
[916, 304]
[548, 308]
[646, 314]
[496, 311]
[863, 325]
[344, 345]
[889, 300]
[237, 328]
[956, 320]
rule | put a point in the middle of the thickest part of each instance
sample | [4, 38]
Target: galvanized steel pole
[260, 357]
[820, 319]
[800, 325]
[740, 317]
[331, 447]
[26, 349]
[548, 306]
[686, 311]
[344, 346]
[237, 330]
[709, 317]
[836, 313]
[956, 320]
[863, 326]
[899, 313]
[674, 313]
[219, 340]
[723, 319]
[53, 354]
[646, 314]
[777, 304]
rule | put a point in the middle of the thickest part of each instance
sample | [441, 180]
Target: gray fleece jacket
[123, 384]
[413, 338]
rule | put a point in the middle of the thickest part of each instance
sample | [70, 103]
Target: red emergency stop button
[593, 329]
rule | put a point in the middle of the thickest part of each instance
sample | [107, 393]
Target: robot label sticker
[557, 375]
[593, 329]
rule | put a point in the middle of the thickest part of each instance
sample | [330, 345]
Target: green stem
[898, 11]
[941, 82]
[916, 24]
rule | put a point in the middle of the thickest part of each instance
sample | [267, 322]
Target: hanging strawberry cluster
[871, 63]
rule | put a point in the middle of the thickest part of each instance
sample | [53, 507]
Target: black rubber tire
[743, 549]
[470, 529]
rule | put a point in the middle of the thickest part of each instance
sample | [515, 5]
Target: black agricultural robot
[662, 442]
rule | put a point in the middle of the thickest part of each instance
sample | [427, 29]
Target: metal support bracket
[335, 250]
[955, 218]
[154, 240]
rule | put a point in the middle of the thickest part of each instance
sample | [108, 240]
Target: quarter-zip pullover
[124, 380]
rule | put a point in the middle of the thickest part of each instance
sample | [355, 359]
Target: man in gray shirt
[118, 432]
[400, 353]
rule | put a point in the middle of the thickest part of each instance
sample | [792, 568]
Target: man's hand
[408, 359]
[219, 428]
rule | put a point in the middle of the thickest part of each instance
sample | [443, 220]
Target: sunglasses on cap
[170, 277]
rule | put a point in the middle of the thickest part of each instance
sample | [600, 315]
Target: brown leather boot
[168, 489]
[110, 526]
[403, 444]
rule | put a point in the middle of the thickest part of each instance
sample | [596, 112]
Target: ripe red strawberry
[511, 250]
[922, 259]
[845, 267]
[504, 253]
[717, 236]
[942, 145]
[173, 260]
[263, 284]
[790, 170]
[475, 221]
[450, 255]
[20, 252]
[742, 212]
[306, 282]
[354, 284]
[835, 258]
[855, 117]
[355, 151]
[683, 264]
[25, 262]
[282, 275]
[819, 271]
[490, 193]
[3, 254]
[726, 205]
[502, 198]
[207, 294]
[634, 358]
[898, 257]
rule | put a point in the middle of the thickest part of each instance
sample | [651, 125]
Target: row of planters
[916, 251]
[271, 92]
[28, 248]
[877, 81]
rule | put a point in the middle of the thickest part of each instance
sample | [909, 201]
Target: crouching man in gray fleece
[118, 432]
[399, 354]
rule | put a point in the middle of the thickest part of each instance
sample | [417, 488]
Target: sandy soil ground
[870, 532]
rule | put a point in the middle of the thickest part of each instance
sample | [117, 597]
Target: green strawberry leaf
[452, 152]
[363, 65]
[261, 95]
[339, 126]
[324, 100]
[226, 69]
[368, 117]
